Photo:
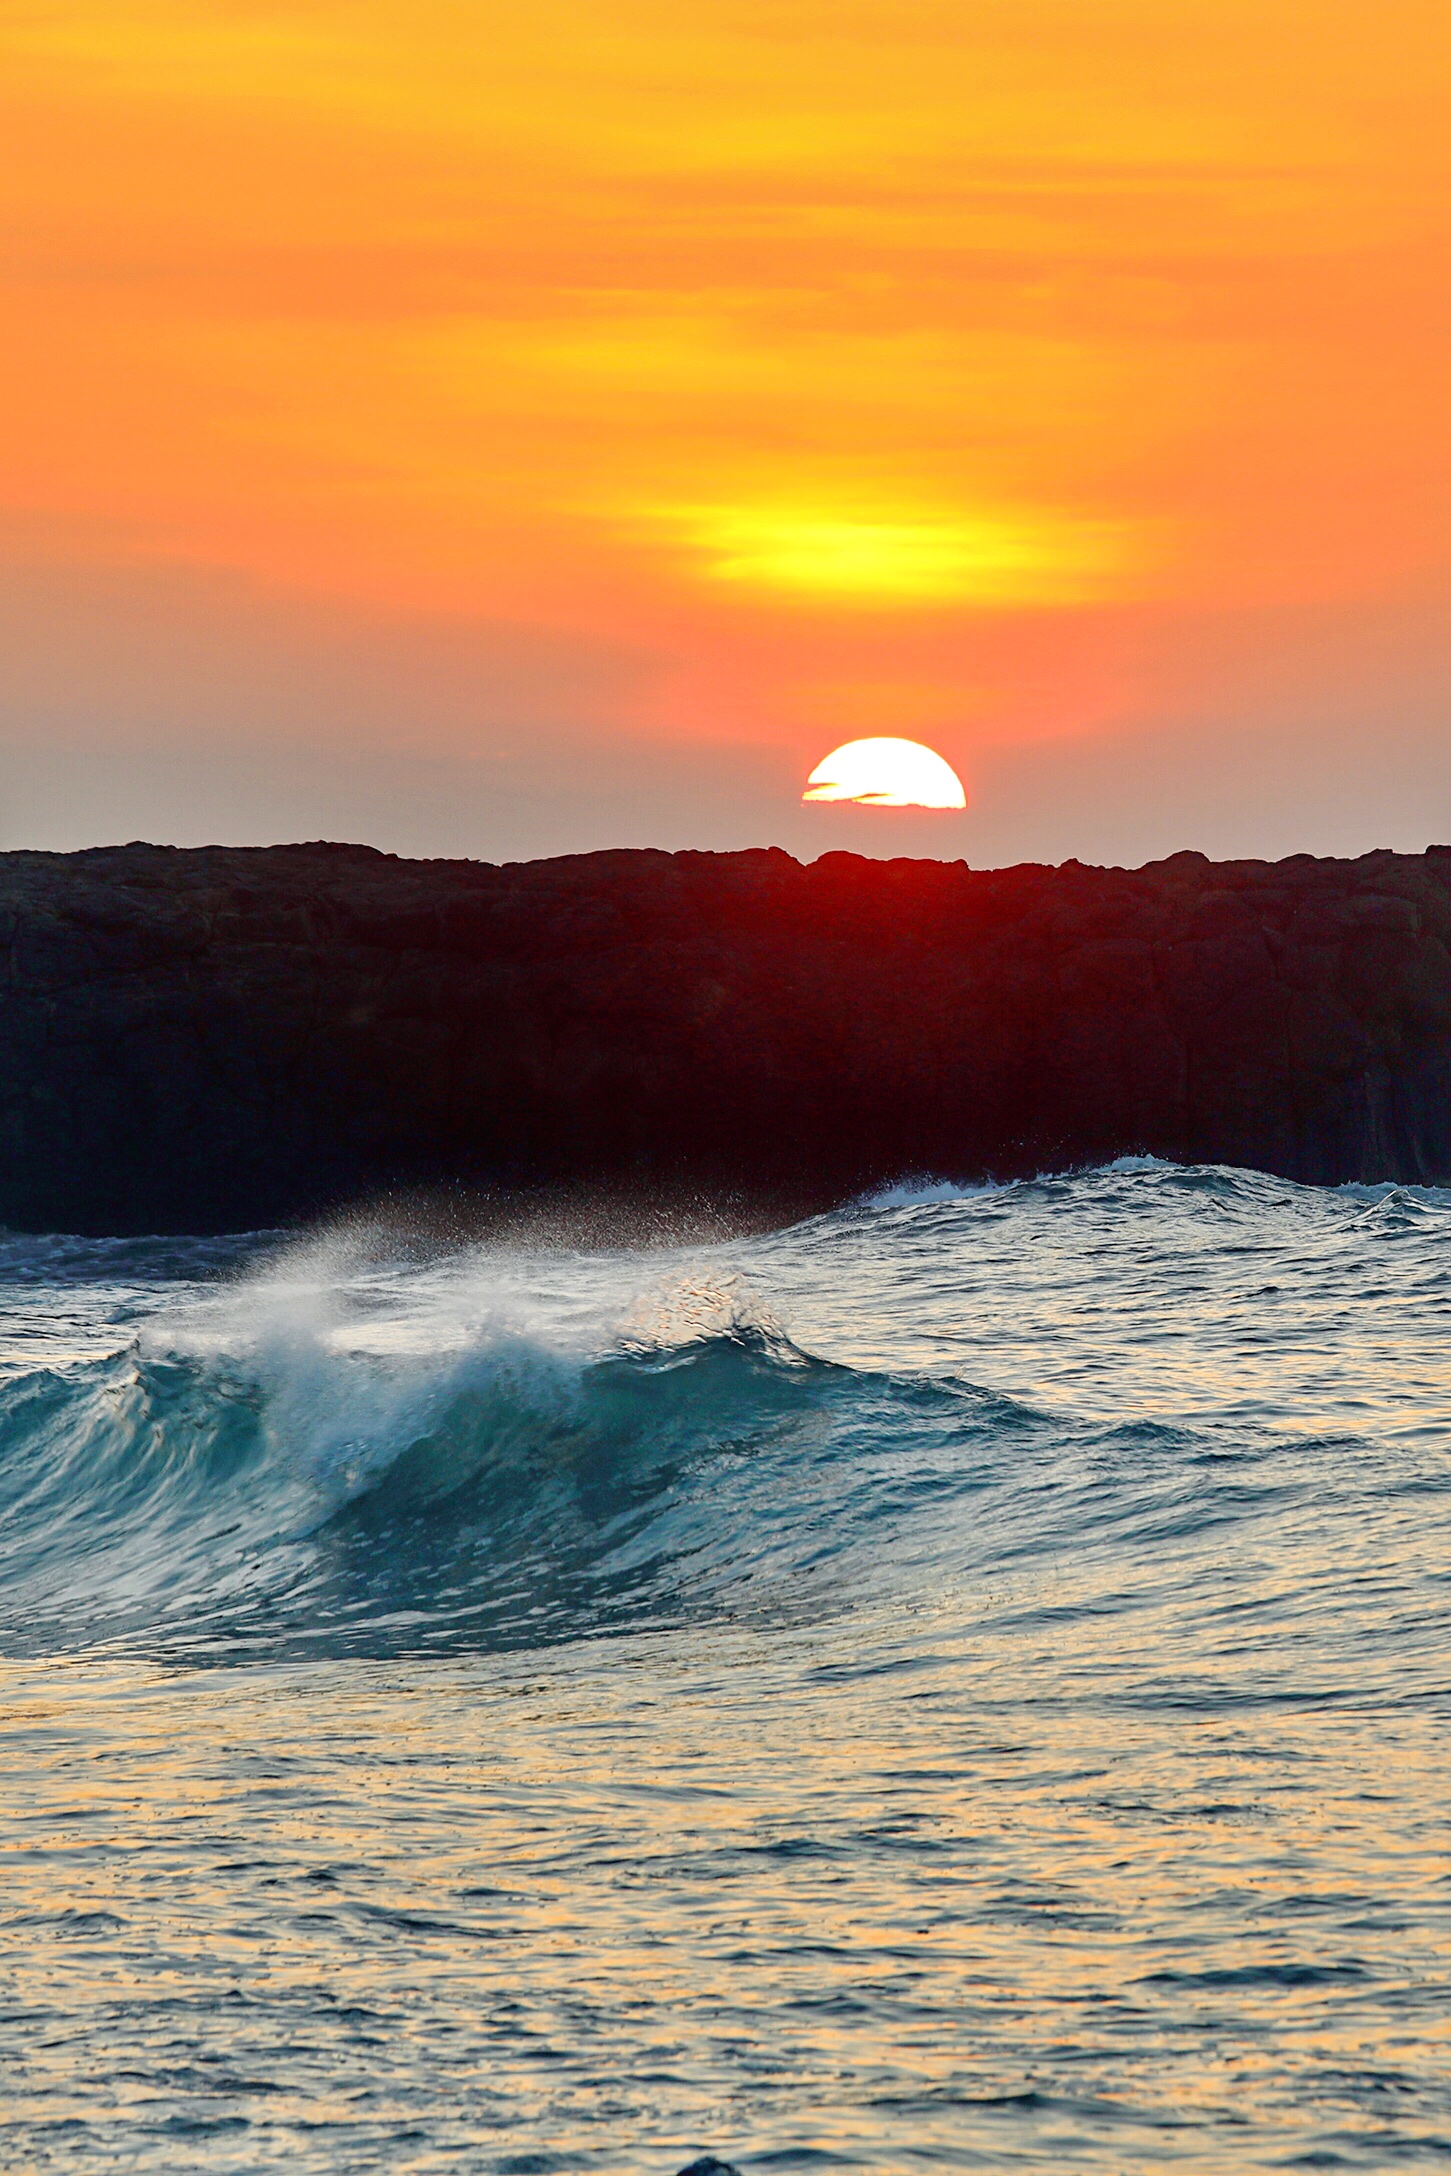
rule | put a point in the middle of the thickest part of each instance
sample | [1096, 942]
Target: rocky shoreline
[230, 1038]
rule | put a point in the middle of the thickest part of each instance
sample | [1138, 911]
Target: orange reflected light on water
[825, 1851]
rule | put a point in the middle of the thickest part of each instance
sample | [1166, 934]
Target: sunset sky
[510, 428]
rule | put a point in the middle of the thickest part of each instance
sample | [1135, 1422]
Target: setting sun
[886, 773]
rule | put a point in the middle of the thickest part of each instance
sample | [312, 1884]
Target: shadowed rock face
[229, 1038]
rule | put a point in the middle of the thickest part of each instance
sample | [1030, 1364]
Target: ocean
[959, 1683]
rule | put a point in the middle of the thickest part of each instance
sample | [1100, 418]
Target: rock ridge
[227, 1038]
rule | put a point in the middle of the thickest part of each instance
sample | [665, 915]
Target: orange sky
[598, 410]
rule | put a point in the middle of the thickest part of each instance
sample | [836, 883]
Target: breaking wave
[230, 1446]
[300, 1492]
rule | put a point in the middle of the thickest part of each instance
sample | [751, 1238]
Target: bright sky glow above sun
[673, 392]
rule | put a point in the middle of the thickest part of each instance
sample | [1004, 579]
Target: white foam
[354, 1357]
[921, 1193]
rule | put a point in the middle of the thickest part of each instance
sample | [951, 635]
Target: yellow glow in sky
[985, 560]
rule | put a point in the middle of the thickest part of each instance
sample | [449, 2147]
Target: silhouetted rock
[708, 2165]
[235, 1037]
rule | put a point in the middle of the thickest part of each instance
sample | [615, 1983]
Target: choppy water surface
[962, 1683]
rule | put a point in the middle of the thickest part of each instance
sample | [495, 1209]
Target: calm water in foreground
[962, 1683]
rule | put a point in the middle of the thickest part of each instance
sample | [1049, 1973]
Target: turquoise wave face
[331, 1502]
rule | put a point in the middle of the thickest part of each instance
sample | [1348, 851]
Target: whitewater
[958, 1683]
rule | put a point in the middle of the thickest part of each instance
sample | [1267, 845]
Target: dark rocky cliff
[236, 1037]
